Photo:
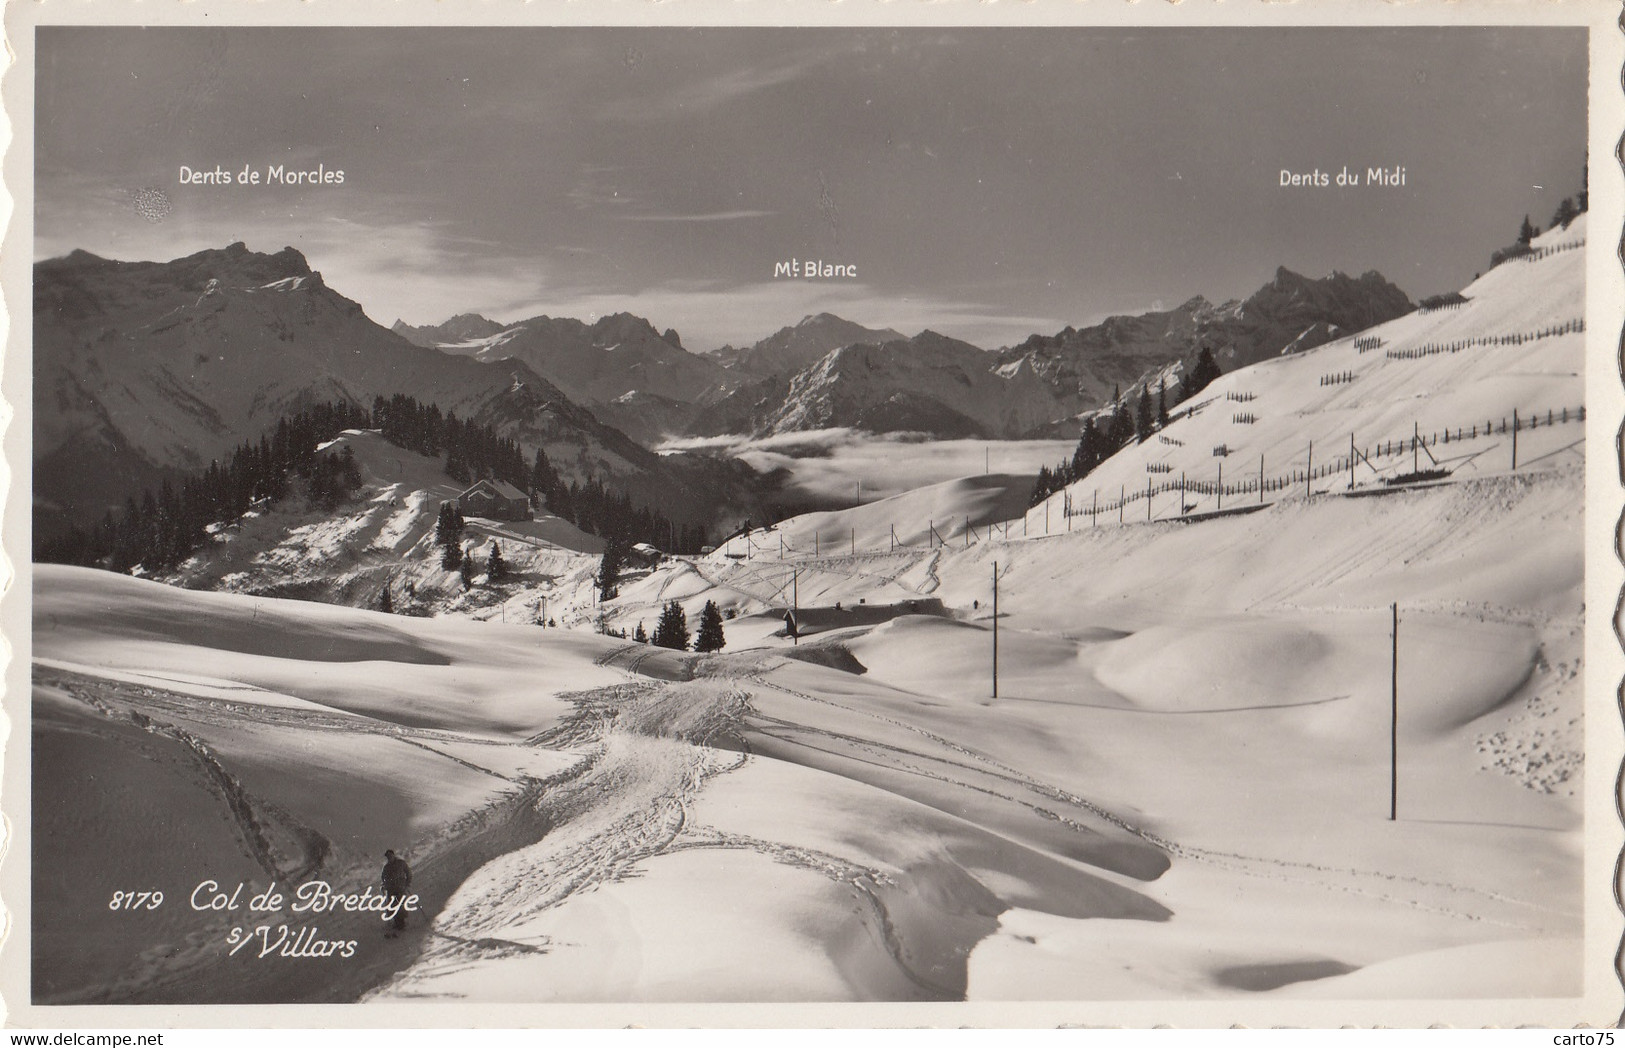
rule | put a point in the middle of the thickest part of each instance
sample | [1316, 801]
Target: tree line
[473, 451]
[1569, 209]
[162, 528]
[1102, 439]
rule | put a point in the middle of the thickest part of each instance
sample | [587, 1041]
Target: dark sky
[987, 183]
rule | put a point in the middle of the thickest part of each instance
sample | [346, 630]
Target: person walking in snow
[397, 879]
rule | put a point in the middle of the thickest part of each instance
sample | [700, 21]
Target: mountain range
[1292, 313]
[144, 370]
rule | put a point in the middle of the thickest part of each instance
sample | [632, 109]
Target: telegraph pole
[995, 629]
[1393, 721]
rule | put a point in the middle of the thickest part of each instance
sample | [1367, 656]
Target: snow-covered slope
[205, 736]
[1179, 792]
[382, 537]
[1455, 376]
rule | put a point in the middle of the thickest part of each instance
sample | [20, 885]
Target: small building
[495, 499]
[644, 555]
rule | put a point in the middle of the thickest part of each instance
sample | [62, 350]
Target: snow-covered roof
[500, 487]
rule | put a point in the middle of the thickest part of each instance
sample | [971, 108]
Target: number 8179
[136, 900]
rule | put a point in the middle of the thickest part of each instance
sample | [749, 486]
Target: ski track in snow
[653, 754]
[1256, 866]
[655, 751]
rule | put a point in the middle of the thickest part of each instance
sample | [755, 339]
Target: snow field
[1181, 790]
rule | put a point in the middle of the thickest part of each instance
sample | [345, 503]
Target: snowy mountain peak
[463, 327]
[790, 349]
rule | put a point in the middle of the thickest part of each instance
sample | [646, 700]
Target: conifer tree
[1526, 232]
[710, 636]
[449, 534]
[496, 569]
[609, 568]
[1566, 213]
[1087, 456]
[1162, 404]
[456, 468]
[1201, 376]
[1142, 417]
[639, 635]
[672, 629]
[386, 604]
[1121, 429]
